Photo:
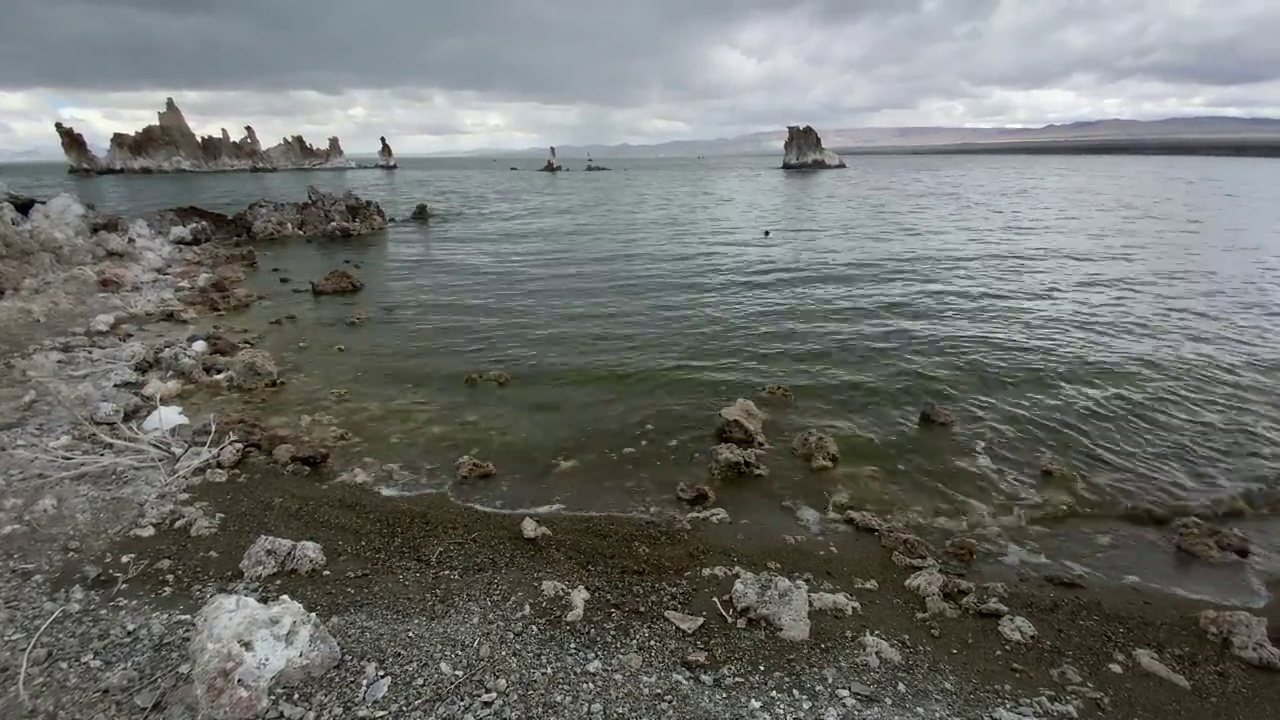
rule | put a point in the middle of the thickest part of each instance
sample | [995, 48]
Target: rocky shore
[167, 562]
[170, 146]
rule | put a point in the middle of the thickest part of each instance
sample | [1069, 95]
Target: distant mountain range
[872, 139]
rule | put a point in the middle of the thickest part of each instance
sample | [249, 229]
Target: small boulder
[243, 650]
[731, 462]
[775, 600]
[781, 392]
[421, 213]
[695, 495]
[336, 282]
[816, 448]
[934, 415]
[688, 623]
[1245, 634]
[1200, 539]
[1017, 629]
[532, 529]
[470, 468]
[252, 370]
[742, 424]
[269, 555]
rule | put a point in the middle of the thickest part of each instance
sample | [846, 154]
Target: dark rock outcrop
[553, 165]
[386, 158]
[421, 213]
[321, 215]
[803, 151]
[171, 146]
[336, 282]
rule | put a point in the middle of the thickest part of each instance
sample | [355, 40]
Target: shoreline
[1262, 147]
[414, 582]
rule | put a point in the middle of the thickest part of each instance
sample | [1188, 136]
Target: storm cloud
[490, 73]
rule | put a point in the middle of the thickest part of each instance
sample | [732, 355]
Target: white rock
[876, 651]
[102, 323]
[242, 650]
[715, 516]
[775, 600]
[1245, 634]
[107, 413]
[532, 530]
[1150, 662]
[269, 555]
[577, 604]
[834, 603]
[687, 623]
[157, 389]
[200, 347]
[163, 419]
[377, 690]
[1017, 629]
[230, 455]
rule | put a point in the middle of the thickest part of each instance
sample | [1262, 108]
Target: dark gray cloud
[637, 70]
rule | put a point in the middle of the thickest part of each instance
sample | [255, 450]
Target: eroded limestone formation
[171, 146]
[553, 165]
[386, 158]
[322, 214]
[803, 151]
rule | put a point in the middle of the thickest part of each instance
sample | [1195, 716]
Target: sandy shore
[447, 602]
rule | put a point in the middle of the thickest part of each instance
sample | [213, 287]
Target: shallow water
[1118, 315]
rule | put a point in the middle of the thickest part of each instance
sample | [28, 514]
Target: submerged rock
[742, 424]
[933, 414]
[776, 600]
[336, 282]
[775, 390]
[1208, 542]
[730, 462]
[695, 495]
[421, 213]
[818, 449]
[386, 158]
[269, 555]
[1245, 635]
[243, 650]
[322, 214]
[803, 151]
[171, 146]
[469, 468]
[552, 165]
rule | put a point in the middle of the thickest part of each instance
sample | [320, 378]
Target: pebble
[632, 660]
[145, 699]
[706, 679]
[291, 712]
[594, 666]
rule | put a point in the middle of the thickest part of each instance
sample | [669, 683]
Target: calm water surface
[1118, 316]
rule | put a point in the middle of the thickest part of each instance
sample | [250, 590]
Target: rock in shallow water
[321, 215]
[336, 282]
[816, 448]
[730, 462]
[741, 423]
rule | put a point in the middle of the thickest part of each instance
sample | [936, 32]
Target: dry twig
[26, 656]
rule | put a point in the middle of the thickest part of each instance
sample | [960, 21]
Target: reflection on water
[1119, 316]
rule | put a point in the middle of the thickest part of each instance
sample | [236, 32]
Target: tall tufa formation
[171, 146]
[386, 158]
[803, 151]
[553, 165]
[82, 159]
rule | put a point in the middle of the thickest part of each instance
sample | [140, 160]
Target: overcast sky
[441, 75]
